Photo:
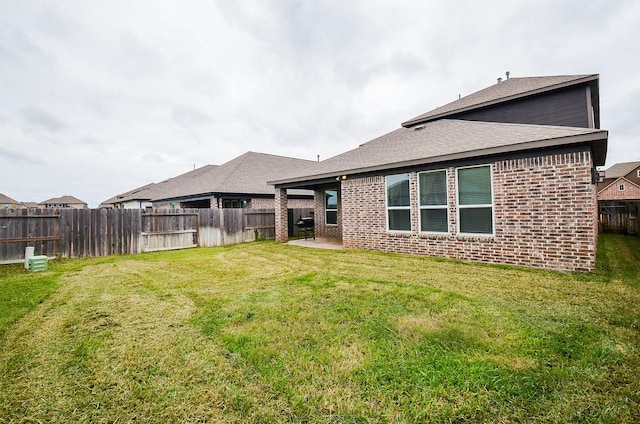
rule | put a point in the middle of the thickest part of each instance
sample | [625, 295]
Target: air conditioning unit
[38, 263]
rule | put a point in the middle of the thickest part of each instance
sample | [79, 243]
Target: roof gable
[511, 89]
[611, 192]
[6, 199]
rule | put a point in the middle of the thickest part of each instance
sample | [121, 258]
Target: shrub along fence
[77, 233]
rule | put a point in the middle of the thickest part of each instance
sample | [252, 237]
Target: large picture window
[475, 200]
[398, 203]
[331, 207]
[432, 187]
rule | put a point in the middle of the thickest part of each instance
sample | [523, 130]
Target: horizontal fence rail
[79, 233]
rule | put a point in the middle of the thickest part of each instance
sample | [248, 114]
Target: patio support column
[282, 218]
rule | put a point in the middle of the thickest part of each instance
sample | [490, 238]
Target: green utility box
[38, 263]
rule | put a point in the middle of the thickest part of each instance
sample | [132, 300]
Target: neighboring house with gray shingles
[63, 202]
[140, 198]
[239, 183]
[7, 202]
[504, 175]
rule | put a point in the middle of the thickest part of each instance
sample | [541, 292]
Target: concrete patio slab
[319, 243]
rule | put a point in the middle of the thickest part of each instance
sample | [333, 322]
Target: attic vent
[419, 127]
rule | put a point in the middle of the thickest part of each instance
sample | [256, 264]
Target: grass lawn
[269, 333]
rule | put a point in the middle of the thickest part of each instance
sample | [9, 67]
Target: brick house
[619, 198]
[504, 175]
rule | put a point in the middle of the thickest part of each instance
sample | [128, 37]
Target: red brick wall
[545, 214]
[280, 202]
[300, 203]
[262, 203]
[323, 230]
[271, 203]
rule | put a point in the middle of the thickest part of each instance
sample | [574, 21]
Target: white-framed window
[398, 202]
[621, 187]
[475, 200]
[331, 207]
[434, 207]
[638, 173]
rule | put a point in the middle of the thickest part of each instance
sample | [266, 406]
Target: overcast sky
[100, 97]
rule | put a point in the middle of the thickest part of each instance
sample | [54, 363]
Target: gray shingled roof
[140, 193]
[446, 140]
[6, 199]
[71, 200]
[620, 169]
[510, 89]
[152, 190]
[246, 174]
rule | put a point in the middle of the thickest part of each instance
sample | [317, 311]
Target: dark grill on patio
[306, 225]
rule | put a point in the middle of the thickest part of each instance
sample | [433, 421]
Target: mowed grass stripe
[263, 332]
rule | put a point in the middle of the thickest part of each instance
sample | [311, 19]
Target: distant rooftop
[71, 200]
[246, 174]
[620, 169]
[6, 199]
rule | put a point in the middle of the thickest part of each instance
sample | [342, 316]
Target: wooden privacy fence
[73, 233]
[619, 216]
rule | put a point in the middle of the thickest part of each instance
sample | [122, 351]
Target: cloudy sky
[99, 97]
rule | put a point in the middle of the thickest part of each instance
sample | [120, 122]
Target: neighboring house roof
[446, 140]
[140, 193]
[621, 169]
[510, 89]
[64, 199]
[6, 199]
[29, 205]
[246, 174]
[151, 190]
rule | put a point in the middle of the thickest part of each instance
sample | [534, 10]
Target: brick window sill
[479, 238]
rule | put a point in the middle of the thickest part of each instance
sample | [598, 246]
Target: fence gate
[169, 230]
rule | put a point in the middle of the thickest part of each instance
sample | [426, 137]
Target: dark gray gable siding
[633, 175]
[567, 108]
